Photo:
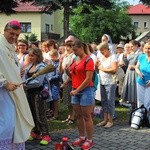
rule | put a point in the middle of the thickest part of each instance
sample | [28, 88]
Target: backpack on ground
[138, 117]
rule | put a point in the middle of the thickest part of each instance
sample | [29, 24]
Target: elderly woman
[143, 79]
[107, 70]
[129, 91]
[107, 39]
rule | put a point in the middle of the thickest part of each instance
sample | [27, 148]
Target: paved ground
[119, 137]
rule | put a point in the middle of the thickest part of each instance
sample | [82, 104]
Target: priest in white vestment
[16, 120]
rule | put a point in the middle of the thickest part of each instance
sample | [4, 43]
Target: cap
[15, 23]
[120, 46]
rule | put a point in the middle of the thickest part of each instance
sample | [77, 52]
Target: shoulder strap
[73, 60]
[86, 61]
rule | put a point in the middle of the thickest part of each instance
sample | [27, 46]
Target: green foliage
[92, 25]
[7, 6]
[50, 6]
[31, 37]
[147, 2]
[53, 5]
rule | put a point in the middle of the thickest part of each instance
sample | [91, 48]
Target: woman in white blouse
[107, 70]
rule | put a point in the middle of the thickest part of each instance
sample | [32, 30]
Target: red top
[78, 72]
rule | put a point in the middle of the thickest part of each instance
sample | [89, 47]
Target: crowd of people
[34, 102]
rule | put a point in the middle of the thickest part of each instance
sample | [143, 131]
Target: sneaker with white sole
[87, 145]
[78, 142]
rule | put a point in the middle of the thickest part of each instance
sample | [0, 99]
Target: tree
[146, 2]
[7, 6]
[30, 37]
[49, 6]
[92, 25]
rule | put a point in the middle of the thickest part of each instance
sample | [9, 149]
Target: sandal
[103, 123]
[108, 125]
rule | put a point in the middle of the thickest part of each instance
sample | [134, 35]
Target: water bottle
[64, 143]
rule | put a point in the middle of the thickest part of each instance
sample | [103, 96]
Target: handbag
[120, 74]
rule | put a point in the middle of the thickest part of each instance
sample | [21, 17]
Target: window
[47, 28]
[145, 25]
[51, 27]
[136, 24]
[26, 27]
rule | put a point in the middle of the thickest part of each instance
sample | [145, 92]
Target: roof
[139, 9]
[28, 7]
[139, 38]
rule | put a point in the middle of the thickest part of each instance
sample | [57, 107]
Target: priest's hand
[11, 86]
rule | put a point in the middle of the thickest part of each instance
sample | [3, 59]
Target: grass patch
[122, 115]
[57, 125]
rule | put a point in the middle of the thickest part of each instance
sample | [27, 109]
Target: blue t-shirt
[144, 69]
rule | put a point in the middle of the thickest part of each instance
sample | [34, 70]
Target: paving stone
[119, 137]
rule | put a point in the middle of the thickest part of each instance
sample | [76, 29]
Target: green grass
[57, 125]
[122, 115]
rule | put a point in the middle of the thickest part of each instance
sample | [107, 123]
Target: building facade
[140, 15]
[33, 21]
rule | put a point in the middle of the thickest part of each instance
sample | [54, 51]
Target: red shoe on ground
[78, 142]
[87, 145]
[35, 136]
[45, 140]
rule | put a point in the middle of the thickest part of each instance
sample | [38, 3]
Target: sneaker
[87, 145]
[34, 136]
[125, 104]
[45, 140]
[78, 142]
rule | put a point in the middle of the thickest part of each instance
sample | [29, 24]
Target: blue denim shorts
[84, 97]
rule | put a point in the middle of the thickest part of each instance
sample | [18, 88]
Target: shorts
[84, 97]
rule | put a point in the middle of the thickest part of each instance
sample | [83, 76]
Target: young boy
[54, 79]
